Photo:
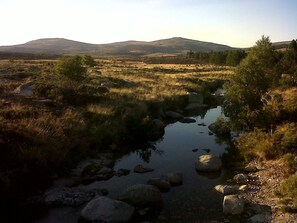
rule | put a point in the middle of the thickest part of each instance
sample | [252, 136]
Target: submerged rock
[63, 196]
[142, 169]
[104, 209]
[187, 120]
[162, 185]
[173, 115]
[208, 163]
[233, 205]
[143, 196]
[122, 172]
[175, 178]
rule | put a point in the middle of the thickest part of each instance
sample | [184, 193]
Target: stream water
[193, 201]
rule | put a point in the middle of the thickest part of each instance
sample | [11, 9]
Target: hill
[174, 45]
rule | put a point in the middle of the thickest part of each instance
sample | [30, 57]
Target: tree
[254, 76]
[89, 60]
[289, 62]
[234, 57]
[71, 68]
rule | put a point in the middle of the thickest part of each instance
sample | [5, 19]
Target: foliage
[88, 60]
[263, 145]
[289, 65]
[71, 68]
[288, 192]
[230, 58]
[254, 76]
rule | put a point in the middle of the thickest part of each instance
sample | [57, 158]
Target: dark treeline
[229, 58]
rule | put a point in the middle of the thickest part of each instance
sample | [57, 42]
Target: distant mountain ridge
[175, 45]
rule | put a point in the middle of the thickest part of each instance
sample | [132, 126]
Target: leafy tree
[89, 60]
[71, 68]
[254, 76]
[289, 62]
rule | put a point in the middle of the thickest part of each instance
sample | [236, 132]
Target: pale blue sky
[232, 22]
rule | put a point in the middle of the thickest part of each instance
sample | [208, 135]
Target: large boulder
[104, 209]
[175, 178]
[143, 196]
[162, 185]
[208, 163]
[233, 205]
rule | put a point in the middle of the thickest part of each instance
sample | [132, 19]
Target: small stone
[243, 188]
[187, 120]
[240, 178]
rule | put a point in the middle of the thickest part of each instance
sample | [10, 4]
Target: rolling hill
[174, 45]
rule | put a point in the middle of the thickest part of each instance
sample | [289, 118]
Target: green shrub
[288, 192]
[89, 61]
[290, 161]
[263, 145]
[71, 68]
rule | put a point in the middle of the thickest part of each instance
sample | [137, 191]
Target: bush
[71, 68]
[260, 144]
[288, 192]
[89, 61]
[256, 144]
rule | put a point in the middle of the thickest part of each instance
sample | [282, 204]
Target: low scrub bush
[288, 193]
[263, 145]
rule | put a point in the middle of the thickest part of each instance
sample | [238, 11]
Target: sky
[237, 23]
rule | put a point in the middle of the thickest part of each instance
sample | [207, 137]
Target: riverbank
[263, 189]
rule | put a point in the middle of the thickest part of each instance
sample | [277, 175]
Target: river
[193, 201]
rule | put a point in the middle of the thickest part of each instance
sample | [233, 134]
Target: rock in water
[63, 196]
[226, 189]
[173, 115]
[187, 120]
[208, 163]
[143, 196]
[233, 205]
[104, 209]
[162, 185]
[175, 178]
[142, 169]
